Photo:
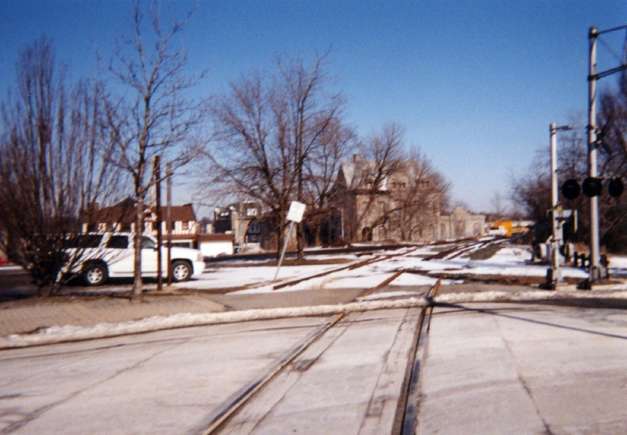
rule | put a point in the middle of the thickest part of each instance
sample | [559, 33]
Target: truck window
[85, 241]
[147, 243]
[118, 242]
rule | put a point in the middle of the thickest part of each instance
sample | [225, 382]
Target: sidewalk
[32, 314]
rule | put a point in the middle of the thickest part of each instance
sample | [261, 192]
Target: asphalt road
[500, 368]
[525, 369]
[14, 284]
[174, 381]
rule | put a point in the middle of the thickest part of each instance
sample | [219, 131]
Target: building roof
[357, 170]
[124, 212]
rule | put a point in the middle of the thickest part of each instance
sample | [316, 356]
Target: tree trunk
[279, 241]
[137, 247]
[299, 241]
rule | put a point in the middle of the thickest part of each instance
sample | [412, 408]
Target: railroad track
[405, 415]
[461, 248]
[458, 249]
[351, 266]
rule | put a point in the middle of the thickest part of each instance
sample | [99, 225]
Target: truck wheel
[181, 271]
[95, 274]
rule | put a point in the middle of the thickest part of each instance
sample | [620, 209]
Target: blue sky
[474, 83]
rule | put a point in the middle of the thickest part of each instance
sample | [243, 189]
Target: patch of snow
[407, 279]
[387, 295]
[526, 296]
[227, 277]
[56, 334]
[509, 255]
[529, 270]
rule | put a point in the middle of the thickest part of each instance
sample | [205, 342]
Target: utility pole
[157, 172]
[168, 175]
[595, 264]
[597, 271]
[555, 274]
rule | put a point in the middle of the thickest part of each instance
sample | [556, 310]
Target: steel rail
[406, 417]
[227, 409]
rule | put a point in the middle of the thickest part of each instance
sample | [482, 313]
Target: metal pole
[287, 239]
[157, 172]
[555, 242]
[168, 174]
[595, 267]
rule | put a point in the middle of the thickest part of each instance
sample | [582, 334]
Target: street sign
[296, 212]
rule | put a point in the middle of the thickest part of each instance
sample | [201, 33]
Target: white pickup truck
[110, 255]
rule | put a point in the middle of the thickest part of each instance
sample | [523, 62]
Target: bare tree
[268, 131]
[419, 194]
[381, 156]
[613, 159]
[153, 116]
[53, 167]
[321, 169]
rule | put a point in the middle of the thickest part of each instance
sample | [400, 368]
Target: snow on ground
[409, 279]
[507, 261]
[365, 277]
[526, 270]
[227, 277]
[57, 334]
[342, 257]
[510, 255]
[436, 265]
[388, 295]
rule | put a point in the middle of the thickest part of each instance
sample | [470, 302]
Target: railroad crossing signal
[592, 186]
[615, 187]
[571, 189]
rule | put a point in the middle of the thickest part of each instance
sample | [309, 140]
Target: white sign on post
[296, 212]
[294, 215]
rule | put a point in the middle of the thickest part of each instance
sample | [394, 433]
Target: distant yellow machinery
[509, 227]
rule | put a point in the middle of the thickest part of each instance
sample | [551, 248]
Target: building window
[185, 226]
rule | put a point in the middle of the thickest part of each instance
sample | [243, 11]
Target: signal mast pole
[597, 271]
[595, 265]
[556, 233]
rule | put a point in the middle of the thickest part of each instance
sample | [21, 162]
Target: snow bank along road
[364, 276]
[339, 374]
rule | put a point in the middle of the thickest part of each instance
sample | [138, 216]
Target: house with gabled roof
[399, 206]
[185, 230]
